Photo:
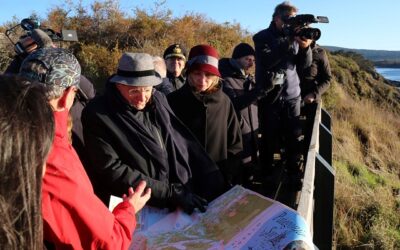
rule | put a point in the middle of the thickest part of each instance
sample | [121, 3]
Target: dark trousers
[280, 127]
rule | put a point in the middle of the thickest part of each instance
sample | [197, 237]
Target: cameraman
[25, 46]
[278, 54]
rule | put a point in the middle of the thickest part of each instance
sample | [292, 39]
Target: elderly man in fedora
[131, 134]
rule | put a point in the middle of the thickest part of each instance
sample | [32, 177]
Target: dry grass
[367, 160]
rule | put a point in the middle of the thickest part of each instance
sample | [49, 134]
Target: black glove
[187, 200]
[231, 169]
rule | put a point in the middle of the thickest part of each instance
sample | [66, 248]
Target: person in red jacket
[73, 217]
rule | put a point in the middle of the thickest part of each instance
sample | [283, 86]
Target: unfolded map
[239, 219]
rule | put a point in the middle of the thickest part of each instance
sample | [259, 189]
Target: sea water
[389, 73]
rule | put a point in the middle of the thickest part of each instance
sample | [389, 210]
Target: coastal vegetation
[365, 111]
[380, 58]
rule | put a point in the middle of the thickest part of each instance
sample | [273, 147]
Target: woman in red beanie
[208, 112]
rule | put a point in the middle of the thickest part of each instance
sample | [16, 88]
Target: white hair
[159, 66]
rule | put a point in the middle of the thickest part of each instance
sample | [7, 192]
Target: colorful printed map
[239, 219]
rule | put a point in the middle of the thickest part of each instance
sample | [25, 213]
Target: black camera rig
[28, 25]
[299, 26]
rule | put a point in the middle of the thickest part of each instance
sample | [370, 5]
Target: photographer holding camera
[278, 54]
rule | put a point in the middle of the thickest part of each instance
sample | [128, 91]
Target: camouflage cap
[52, 66]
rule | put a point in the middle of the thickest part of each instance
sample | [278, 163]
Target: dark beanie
[242, 49]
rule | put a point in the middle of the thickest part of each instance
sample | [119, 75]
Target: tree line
[105, 31]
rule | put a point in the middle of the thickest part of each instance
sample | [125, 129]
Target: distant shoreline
[383, 65]
[394, 83]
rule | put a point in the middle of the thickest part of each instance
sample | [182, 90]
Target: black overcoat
[123, 151]
[244, 96]
[213, 121]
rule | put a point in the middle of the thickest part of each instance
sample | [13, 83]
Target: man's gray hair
[159, 66]
[284, 9]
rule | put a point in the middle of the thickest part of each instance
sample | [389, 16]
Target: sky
[362, 24]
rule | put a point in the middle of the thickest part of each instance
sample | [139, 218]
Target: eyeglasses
[137, 91]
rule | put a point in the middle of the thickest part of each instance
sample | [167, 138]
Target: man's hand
[139, 197]
[303, 42]
[310, 98]
[187, 200]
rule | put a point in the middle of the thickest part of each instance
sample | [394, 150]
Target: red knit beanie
[204, 58]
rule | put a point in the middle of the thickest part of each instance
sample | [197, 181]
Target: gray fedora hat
[136, 69]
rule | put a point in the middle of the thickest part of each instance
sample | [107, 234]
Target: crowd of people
[174, 132]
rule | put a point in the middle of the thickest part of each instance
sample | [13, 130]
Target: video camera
[26, 44]
[302, 21]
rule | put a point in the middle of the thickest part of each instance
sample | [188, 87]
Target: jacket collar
[237, 67]
[207, 97]
[275, 30]
[61, 123]
[180, 77]
[230, 68]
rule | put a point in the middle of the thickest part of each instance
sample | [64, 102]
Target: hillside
[382, 58]
[366, 127]
[365, 109]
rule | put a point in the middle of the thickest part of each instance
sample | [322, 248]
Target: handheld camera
[26, 42]
[303, 21]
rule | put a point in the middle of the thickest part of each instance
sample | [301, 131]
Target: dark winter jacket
[243, 93]
[278, 53]
[124, 149]
[213, 121]
[15, 65]
[165, 86]
[85, 94]
[177, 82]
[316, 78]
